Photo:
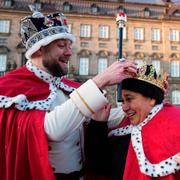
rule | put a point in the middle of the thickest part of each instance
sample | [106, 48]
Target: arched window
[3, 62]
[175, 97]
[157, 65]
[83, 66]
[174, 68]
[102, 64]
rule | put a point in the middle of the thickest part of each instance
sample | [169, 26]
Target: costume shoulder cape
[23, 142]
[22, 81]
[161, 140]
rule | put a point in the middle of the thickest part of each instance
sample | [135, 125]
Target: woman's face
[136, 106]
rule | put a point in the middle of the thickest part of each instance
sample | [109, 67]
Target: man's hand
[115, 73]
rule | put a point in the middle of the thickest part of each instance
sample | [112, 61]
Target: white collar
[56, 81]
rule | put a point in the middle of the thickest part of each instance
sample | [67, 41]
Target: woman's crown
[148, 73]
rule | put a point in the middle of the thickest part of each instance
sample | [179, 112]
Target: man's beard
[54, 68]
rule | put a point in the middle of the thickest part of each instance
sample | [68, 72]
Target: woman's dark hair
[144, 88]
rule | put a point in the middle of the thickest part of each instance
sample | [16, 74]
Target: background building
[152, 34]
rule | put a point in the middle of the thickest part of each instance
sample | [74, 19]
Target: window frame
[157, 64]
[175, 97]
[85, 31]
[174, 35]
[102, 64]
[6, 29]
[155, 34]
[139, 34]
[103, 31]
[84, 66]
[4, 63]
[174, 67]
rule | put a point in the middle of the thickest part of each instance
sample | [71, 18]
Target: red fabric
[125, 122]
[23, 142]
[23, 146]
[70, 82]
[161, 140]
[22, 81]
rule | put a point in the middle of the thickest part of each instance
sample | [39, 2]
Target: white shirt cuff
[88, 98]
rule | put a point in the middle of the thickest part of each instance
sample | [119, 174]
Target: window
[103, 31]
[157, 65]
[154, 47]
[174, 68]
[3, 41]
[139, 62]
[177, 13]
[137, 46]
[84, 66]
[174, 48]
[85, 30]
[124, 33]
[175, 97]
[67, 7]
[94, 8]
[155, 34]
[8, 3]
[138, 33]
[3, 62]
[146, 12]
[102, 64]
[102, 45]
[174, 35]
[4, 26]
[84, 44]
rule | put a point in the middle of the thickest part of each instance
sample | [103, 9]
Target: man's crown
[148, 73]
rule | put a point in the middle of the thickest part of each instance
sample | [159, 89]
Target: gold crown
[148, 73]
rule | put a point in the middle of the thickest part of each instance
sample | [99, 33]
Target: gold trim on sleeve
[83, 100]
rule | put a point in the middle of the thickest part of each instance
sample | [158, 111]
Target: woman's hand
[103, 114]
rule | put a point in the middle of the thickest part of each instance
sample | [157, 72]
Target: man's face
[56, 55]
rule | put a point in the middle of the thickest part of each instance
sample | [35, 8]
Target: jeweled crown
[39, 30]
[148, 73]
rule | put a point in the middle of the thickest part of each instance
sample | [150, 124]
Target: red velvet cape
[23, 142]
[161, 140]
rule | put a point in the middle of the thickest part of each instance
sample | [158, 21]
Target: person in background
[146, 143]
[41, 111]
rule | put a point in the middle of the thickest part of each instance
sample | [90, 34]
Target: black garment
[105, 156]
[119, 147]
[76, 175]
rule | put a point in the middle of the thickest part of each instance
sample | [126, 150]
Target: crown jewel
[148, 73]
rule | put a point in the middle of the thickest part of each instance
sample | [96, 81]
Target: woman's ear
[152, 102]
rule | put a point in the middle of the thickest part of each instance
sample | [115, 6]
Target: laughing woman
[145, 145]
